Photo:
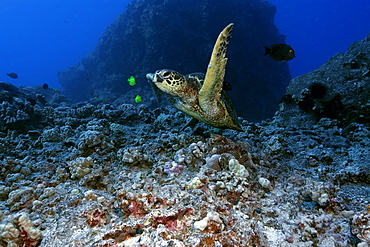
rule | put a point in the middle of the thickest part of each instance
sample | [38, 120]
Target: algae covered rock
[18, 230]
[339, 89]
[18, 110]
[80, 167]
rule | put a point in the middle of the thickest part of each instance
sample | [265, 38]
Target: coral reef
[18, 230]
[101, 182]
[339, 89]
[80, 167]
[110, 174]
[360, 223]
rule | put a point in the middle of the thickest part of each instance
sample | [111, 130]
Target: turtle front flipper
[210, 93]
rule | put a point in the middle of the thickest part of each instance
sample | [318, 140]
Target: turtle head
[169, 81]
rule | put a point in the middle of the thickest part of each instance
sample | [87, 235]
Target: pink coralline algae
[172, 167]
[361, 225]
[96, 218]
[171, 221]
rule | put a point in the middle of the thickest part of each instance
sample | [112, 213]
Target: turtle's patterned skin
[201, 96]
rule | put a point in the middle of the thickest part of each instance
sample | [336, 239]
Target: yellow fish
[138, 99]
[131, 81]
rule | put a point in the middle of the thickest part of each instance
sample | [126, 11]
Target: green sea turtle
[201, 96]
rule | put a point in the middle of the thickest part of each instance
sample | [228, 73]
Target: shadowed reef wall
[339, 89]
[179, 35]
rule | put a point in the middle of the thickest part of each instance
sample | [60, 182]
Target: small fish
[131, 81]
[12, 75]
[138, 99]
[280, 52]
[45, 86]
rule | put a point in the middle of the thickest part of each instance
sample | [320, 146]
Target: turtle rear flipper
[210, 93]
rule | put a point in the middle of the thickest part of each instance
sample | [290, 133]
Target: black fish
[280, 52]
[45, 86]
[12, 75]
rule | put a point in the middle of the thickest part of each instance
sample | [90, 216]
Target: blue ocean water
[40, 37]
[319, 29]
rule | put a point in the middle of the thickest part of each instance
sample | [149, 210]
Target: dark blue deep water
[39, 37]
[318, 29]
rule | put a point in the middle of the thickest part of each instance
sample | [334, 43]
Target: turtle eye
[166, 74]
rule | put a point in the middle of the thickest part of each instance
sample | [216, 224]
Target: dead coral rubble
[105, 175]
[107, 183]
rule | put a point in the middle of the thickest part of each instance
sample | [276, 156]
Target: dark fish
[280, 52]
[45, 86]
[12, 75]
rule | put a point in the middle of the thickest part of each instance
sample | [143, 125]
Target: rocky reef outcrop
[105, 174]
[21, 108]
[113, 174]
[339, 89]
[157, 34]
[123, 175]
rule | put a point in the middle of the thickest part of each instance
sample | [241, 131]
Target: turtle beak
[156, 77]
[150, 76]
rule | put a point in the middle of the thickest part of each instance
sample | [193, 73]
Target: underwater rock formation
[21, 108]
[122, 180]
[339, 89]
[179, 35]
[106, 174]
[20, 231]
